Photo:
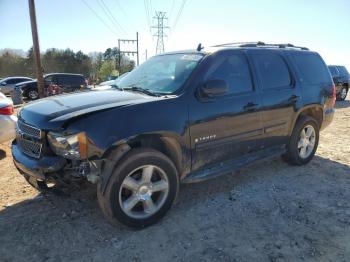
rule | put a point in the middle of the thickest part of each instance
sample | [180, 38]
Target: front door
[228, 126]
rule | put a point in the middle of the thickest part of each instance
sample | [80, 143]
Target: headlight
[72, 147]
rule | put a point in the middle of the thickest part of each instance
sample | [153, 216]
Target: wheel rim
[33, 94]
[306, 142]
[343, 93]
[143, 191]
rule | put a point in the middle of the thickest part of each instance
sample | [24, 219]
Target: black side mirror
[3, 83]
[213, 88]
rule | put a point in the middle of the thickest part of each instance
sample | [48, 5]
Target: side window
[12, 81]
[234, 69]
[273, 71]
[312, 68]
[63, 79]
[49, 79]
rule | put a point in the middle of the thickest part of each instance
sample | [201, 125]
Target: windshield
[162, 74]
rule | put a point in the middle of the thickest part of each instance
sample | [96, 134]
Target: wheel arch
[168, 144]
[313, 110]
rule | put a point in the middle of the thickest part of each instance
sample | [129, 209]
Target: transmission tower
[160, 34]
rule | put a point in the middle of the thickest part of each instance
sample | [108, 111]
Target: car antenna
[200, 47]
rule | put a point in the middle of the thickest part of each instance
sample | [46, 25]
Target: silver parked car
[7, 119]
[8, 84]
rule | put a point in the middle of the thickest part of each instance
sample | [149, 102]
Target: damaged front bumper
[35, 170]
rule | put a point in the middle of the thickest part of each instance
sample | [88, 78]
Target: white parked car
[8, 84]
[7, 119]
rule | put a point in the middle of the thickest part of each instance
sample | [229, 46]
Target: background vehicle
[7, 119]
[109, 84]
[179, 117]
[341, 79]
[68, 83]
[7, 84]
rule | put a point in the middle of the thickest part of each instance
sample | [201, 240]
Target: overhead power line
[110, 16]
[145, 2]
[99, 18]
[171, 9]
[179, 14]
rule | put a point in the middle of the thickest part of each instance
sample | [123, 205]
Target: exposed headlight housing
[72, 146]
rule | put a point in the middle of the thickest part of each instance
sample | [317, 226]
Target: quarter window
[234, 69]
[273, 71]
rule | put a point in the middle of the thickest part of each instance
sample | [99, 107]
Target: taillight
[334, 96]
[8, 110]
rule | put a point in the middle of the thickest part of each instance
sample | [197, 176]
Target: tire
[133, 166]
[295, 153]
[342, 94]
[32, 94]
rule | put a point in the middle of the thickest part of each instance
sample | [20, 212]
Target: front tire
[141, 189]
[303, 142]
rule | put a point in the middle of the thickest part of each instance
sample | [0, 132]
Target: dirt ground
[266, 212]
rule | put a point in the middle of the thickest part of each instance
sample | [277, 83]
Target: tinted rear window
[273, 70]
[312, 68]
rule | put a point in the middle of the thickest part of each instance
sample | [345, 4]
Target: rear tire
[303, 142]
[141, 189]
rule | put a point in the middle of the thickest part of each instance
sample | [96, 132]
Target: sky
[321, 25]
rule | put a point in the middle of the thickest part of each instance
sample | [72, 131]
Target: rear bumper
[36, 168]
[327, 117]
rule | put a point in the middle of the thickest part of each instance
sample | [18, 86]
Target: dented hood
[52, 112]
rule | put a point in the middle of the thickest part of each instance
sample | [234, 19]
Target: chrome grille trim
[30, 148]
[28, 130]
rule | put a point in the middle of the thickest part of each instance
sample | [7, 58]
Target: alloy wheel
[306, 143]
[143, 191]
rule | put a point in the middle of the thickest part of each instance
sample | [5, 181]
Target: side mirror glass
[213, 88]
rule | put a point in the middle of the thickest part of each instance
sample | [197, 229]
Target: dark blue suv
[180, 117]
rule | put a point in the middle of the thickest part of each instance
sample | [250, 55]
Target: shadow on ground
[2, 154]
[268, 212]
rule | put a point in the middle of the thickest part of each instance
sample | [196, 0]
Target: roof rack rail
[239, 44]
[261, 44]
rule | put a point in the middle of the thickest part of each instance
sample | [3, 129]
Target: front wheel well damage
[167, 145]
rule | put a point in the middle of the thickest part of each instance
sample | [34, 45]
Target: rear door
[279, 95]
[226, 127]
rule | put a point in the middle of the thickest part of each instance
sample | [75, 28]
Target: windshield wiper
[141, 90]
[117, 87]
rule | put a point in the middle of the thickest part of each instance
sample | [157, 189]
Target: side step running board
[224, 168]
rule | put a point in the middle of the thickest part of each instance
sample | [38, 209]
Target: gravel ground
[266, 212]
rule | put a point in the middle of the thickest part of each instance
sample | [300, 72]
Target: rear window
[312, 68]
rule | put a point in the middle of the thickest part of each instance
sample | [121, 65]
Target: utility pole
[36, 49]
[160, 16]
[128, 52]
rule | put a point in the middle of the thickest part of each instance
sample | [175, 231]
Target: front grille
[30, 148]
[29, 139]
[29, 130]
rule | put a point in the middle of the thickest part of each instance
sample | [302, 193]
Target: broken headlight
[72, 146]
